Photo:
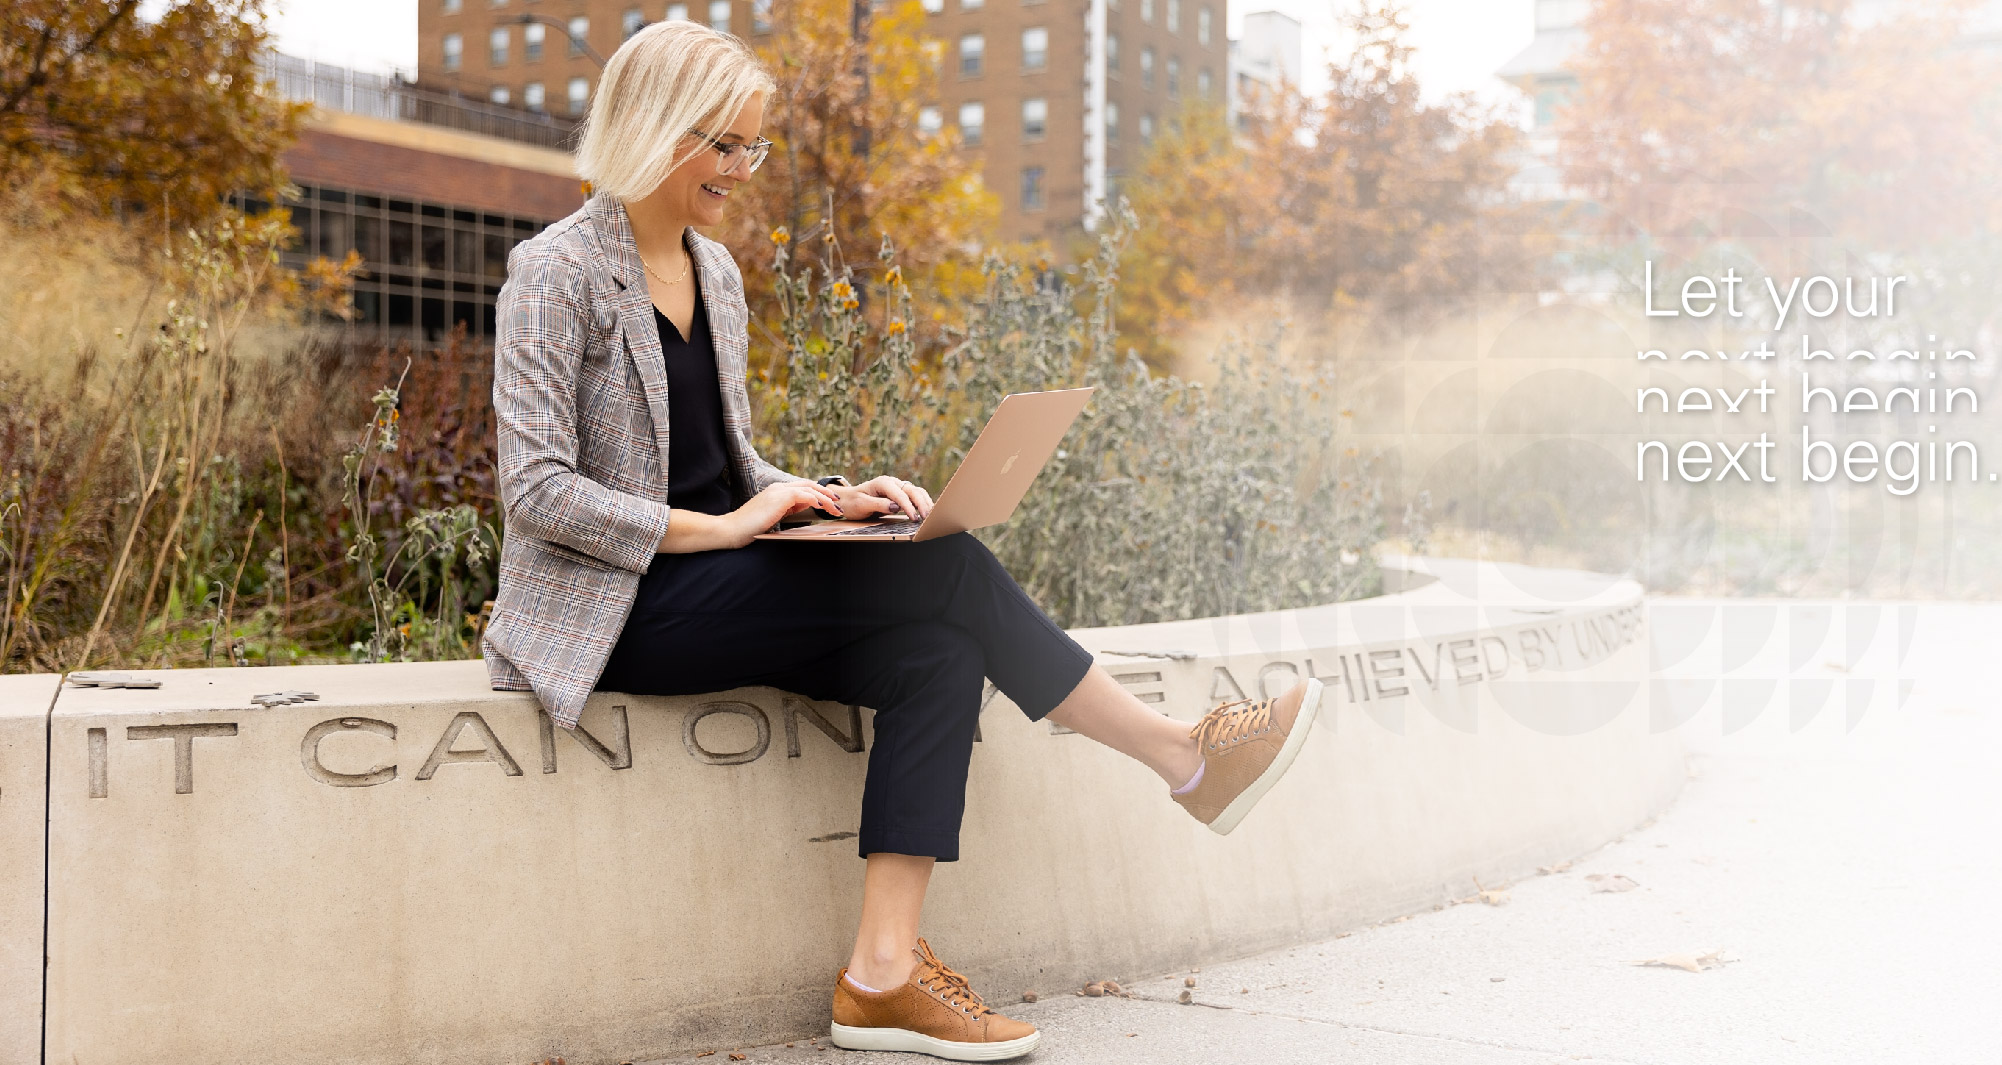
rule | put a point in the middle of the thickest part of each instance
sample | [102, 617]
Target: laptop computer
[1019, 438]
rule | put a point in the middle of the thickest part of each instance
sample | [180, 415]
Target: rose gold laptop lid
[1018, 440]
[1003, 462]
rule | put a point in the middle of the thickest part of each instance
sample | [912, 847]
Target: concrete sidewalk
[1847, 876]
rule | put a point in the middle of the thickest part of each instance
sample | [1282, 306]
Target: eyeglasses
[730, 156]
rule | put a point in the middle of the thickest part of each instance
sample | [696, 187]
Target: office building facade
[1057, 96]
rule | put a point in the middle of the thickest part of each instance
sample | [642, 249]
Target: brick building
[432, 191]
[1023, 78]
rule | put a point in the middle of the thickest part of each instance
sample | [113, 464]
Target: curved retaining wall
[414, 868]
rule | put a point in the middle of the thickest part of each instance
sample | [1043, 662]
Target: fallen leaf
[1613, 882]
[1694, 961]
[705, 1053]
[1028, 996]
[1185, 998]
[1491, 896]
[1188, 981]
[1095, 989]
[1558, 868]
[737, 1057]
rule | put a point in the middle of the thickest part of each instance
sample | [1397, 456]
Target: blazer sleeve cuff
[642, 542]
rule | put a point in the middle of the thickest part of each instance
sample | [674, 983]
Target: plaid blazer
[580, 406]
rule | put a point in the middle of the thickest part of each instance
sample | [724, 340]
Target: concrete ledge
[416, 869]
[24, 819]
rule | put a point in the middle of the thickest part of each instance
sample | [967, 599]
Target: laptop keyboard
[881, 527]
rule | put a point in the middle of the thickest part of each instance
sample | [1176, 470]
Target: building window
[971, 47]
[1203, 83]
[1146, 10]
[934, 50]
[450, 7]
[464, 255]
[497, 47]
[1035, 117]
[498, 94]
[677, 12]
[1174, 16]
[631, 22]
[454, 46]
[970, 5]
[1112, 54]
[761, 16]
[1035, 48]
[1111, 121]
[579, 94]
[531, 42]
[1147, 67]
[930, 120]
[1032, 188]
[934, 7]
[1146, 128]
[1174, 75]
[1203, 24]
[972, 122]
[719, 15]
[580, 31]
[531, 96]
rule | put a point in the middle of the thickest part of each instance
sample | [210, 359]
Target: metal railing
[390, 96]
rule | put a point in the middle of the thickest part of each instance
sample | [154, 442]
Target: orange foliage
[844, 123]
[1365, 201]
[166, 116]
[1743, 120]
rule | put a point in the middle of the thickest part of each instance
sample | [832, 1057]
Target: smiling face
[683, 193]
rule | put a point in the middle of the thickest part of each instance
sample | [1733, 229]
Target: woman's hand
[692, 530]
[884, 495]
[762, 511]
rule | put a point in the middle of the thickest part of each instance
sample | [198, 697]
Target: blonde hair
[666, 79]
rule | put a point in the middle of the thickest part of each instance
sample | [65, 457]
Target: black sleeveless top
[698, 462]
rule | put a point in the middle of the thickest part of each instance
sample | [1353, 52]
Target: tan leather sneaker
[1247, 746]
[934, 1012]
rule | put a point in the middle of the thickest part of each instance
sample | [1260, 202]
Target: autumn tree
[166, 115]
[1195, 244]
[849, 160]
[1366, 201]
[1698, 121]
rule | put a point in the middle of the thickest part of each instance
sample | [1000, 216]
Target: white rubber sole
[903, 1039]
[1246, 799]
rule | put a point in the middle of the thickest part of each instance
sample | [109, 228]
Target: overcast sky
[1460, 42]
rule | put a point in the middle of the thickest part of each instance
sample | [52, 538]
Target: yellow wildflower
[896, 326]
[780, 236]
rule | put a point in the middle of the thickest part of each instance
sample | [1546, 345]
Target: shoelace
[1231, 722]
[959, 994]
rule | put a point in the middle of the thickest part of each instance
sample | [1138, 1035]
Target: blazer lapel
[636, 325]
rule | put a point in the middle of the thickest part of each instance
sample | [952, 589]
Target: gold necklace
[686, 261]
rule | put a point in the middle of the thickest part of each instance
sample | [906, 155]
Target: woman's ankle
[881, 974]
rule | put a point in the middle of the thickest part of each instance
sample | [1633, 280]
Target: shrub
[1168, 499]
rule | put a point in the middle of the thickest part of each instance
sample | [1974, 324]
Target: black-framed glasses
[730, 156]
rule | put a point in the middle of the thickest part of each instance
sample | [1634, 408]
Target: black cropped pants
[907, 629]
